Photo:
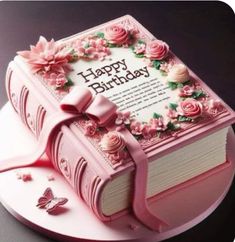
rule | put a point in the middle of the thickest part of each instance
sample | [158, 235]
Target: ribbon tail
[27, 160]
[140, 205]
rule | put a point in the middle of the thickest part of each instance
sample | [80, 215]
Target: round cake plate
[75, 222]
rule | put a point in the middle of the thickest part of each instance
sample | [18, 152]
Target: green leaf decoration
[110, 45]
[180, 85]
[157, 64]
[131, 37]
[156, 115]
[132, 47]
[74, 58]
[139, 55]
[184, 119]
[69, 83]
[100, 35]
[187, 83]
[163, 73]
[138, 137]
[172, 126]
[172, 85]
[86, 46]
[198, 94]
[173, 106]
[140, 41]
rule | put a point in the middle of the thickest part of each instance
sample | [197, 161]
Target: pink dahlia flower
[47, 57]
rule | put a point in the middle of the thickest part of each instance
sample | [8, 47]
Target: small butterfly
[49, 202]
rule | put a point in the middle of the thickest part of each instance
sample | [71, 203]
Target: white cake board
[182, 209]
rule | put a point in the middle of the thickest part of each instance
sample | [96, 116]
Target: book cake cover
[119, 116]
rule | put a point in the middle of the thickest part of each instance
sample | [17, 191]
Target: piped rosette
[113, 144]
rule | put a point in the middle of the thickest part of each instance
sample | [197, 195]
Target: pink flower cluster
[122, 120]
[47, 57]
[214, 106]
[140, 48]
[57, 80]
[90, 128]
[166, 66]
[92, 48]
[148, 130]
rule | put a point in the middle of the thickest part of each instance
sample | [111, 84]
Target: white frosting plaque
[126, 80]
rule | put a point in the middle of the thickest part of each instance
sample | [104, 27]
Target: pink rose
[178, 73]
[112, 142]
[116, 35]
[90, 128]
[186, 91]
[156, 50]
[190, 108]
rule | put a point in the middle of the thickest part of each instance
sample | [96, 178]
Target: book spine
[62, 151]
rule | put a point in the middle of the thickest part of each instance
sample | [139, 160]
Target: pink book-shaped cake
[119, 115]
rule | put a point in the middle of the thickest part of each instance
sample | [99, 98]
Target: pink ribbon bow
[80, 100]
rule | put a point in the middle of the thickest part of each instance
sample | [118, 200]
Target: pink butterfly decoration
[49, 202]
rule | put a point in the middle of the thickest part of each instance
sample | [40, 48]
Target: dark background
[202, 34]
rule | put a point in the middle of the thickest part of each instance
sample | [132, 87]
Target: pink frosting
[116, 35]
[156, 50]
[178, 73]
[190, 108]
[112, 142]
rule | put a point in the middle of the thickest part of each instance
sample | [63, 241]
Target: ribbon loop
[79, 100]
[101, 109]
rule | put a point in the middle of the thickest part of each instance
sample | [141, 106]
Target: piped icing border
[51, 61]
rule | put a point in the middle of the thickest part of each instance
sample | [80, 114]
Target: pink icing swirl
[112, 142]
[116, 35]
[190, 108]
[178, 73]
[156, 50]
